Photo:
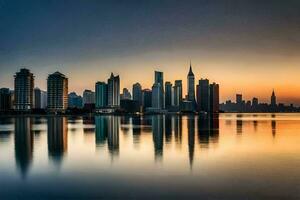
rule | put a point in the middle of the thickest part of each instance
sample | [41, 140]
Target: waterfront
[230, 156]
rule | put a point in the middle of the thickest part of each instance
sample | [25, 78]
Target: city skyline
[234, 45]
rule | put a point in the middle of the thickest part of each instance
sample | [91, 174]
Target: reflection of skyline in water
[57, 138]
[208, 130]
[158, 139]
[23, 144]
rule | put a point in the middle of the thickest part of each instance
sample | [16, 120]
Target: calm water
[230, 156]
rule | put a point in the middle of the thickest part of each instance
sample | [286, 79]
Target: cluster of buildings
[107, 97]
[241, 105]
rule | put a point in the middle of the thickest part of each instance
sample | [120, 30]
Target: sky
[247, 46]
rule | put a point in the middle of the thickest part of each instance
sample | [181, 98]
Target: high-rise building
[191, 85]
[254, 102]
[157, 96]
[5, 99]
[159, 90]
[273, 99]
[57, 92]
[40, 99]
[177, 93]
[23, 93]
[88, 97]
[146, 98]
[113, 90]
[239, 99]
[137, 93]
[214, 97]
[101, 94]
[168, 94]
[74, 100]
[126, 94]
[203, 95]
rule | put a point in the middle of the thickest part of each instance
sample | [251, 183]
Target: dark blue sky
[88, 37]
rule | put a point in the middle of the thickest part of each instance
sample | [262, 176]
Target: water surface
[230, 156]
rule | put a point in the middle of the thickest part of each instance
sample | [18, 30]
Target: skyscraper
[177, 93]
[157, 96]
[101, 94]
[214, 97]
[37, 98]
[191, 85]
[23, 94]
[88, 97]
[5, 99]
[146, 98]
[159, 81]
[168, 94]
[273, 99]
[74, 100]
[137, 93]
[113, 89]
[57, 92]
[203, 95]
[126, 94]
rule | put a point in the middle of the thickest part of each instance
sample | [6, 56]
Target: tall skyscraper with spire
[273, 99]
[191, 85]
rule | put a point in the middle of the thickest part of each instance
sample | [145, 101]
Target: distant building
[254, 102]
[88, 97]
[113, 90]
[273, 99]
[23, 93]
[146, 98]
[214, 97]
[191, 85]
[5, 99]
[203, 98]
[129, 105]
[126, 94]
[168, 94]
[74, 100]
[137, 93]
[159, 83]
[177, 93]
[40, 99]
[101, 94]
[157, 96]
[239, 99]
[57, 92]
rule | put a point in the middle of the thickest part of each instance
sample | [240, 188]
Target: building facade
[101, 94]
[5, 99]
[23, 93]
[177, 93]
[168, 94]
[57, 92]
[137, 93]
[214, 97]
[113, 90]
[191, 85]
[203, 95]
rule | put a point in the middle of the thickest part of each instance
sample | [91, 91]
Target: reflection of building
[57, 137]
[57, 92]
[101, 129]
[158, 140]
[113, 135]
[273, 126]
[23, 143]
[168, 128]
[177, 127]
[136, 129]
[23, 93]
[191, 138]
[208, 129]
[239, 125]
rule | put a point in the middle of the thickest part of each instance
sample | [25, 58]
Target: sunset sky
[247, 46]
